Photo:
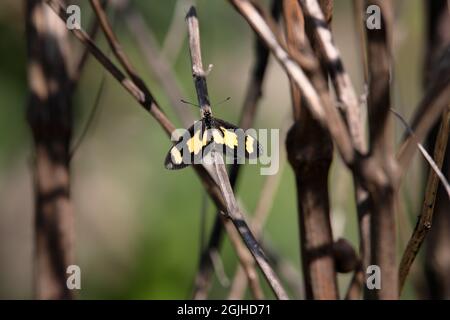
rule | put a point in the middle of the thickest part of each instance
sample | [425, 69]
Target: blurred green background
[137, 224]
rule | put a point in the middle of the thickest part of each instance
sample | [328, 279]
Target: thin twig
[434, 102]
[286, 269]
[118, 50]
[233, 210]
[91, 116]
[158, 64]
[96, 104]
[437, 257]
[426, 217]
[259, 218]
[436, 167]
[82, 61]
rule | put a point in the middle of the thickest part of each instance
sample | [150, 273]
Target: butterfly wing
[235, 141]
[189, 148]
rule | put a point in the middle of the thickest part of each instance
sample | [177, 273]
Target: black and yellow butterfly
[198, 140]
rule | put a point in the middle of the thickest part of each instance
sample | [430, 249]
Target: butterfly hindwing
[234, 141]
[189, 148]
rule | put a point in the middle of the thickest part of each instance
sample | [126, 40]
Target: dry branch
[431, 107]
[233, 211]
[259, 218]
[426, 217]
[361, 195]
[383, 183]
[158, 64]
[82, 60]
[436, 264]
[248, 114]
[341, 80]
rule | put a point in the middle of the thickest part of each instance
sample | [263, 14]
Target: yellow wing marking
[217, 137]
[229, 138]
[249, 144]
[176, 155]
[195, 144]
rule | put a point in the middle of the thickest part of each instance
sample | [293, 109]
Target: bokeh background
[137, 224]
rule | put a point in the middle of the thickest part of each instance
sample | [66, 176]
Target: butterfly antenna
[192, 104]
[223, 101]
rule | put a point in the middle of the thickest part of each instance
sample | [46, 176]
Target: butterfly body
[209, 133]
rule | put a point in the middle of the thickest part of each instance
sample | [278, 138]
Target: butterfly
[206, 134]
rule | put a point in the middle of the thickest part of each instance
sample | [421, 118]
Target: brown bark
[382, 179]
[310, 152]
[50, 119]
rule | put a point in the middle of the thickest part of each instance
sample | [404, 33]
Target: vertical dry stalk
[259, 218]
[437, 256]
[359, 16]
[233, 210]
[383, 183]
[322, 41]
[362, 196]
[50, 119]
[310, 152]
[248, 114]
[426, 217]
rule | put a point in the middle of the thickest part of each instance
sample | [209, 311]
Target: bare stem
[310, 152]
[232, 207]
[426, 217]
[49, 114]
[248, 114]
[382, 185]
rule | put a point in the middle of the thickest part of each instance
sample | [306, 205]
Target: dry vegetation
[327, 120]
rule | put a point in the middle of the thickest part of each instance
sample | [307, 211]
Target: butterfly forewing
[235, 142]
[189, 148]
